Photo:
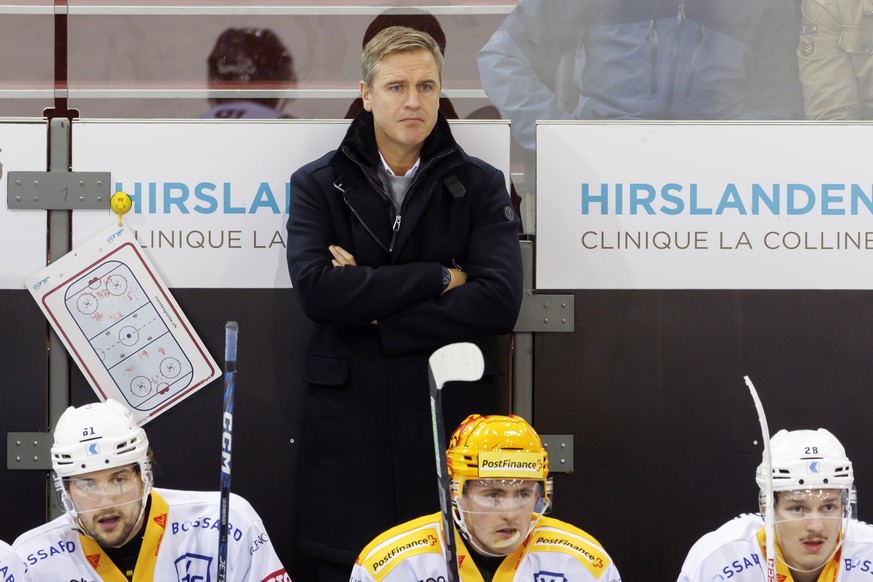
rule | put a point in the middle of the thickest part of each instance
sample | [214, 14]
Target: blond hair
[397, 39]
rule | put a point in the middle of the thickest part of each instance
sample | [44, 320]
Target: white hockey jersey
[11, 568]
[733, 552]
[554, 551]
[180, 543]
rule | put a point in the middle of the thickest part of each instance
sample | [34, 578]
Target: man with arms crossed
[399, 243]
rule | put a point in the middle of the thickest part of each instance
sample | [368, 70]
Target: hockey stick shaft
[769, 534]
[439, 443]
[231, 330]
[454, 362]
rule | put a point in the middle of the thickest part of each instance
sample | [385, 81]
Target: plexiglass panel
[129, 60]
[27, 70]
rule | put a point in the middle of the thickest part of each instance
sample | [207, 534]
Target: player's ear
[365, 96]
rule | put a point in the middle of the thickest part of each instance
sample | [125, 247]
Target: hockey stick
[452, 363]
[769, 535]
[231, 330]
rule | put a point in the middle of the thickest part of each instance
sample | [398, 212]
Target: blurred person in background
[249, 59]
[836, 59]
[628, 59]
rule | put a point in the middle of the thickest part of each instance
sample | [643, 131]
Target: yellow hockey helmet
[496, 447]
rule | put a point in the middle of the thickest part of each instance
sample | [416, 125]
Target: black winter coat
[367, 447]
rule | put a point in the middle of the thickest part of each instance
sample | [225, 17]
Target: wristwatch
[447, 278]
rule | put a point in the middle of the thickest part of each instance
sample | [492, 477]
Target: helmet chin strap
[139, 521]
[147, 477]
[458, 515]
[133, 532]
[816, 568]
[146, 491]
[830, 557]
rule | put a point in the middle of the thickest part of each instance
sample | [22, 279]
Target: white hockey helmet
[806, 459]
[94, 437]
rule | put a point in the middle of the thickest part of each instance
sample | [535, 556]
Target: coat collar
[358, 153]
[359, 143]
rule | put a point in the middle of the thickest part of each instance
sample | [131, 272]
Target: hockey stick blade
[456, 362]
[459, 362]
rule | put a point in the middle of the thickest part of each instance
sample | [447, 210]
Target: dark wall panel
[23, 402]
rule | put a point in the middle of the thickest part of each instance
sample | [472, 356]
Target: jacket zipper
[680, 25]
[339, 186]
[702, 37]
[653, 36]
[396, 216]
[395, 228]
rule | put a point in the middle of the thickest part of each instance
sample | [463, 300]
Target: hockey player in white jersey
[117, 527]
[500, 489]
[817, 538]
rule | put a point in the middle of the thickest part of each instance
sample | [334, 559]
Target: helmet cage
[544, 501]
[848, 499]
[143, 470]
[459, 514]
[820, 514]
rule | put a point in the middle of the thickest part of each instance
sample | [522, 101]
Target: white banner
[633, 205]
[210, 198]
[22, 232]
